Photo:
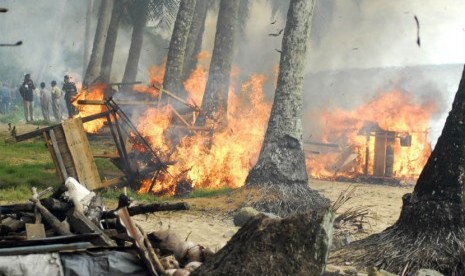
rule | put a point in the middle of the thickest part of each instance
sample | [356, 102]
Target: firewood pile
[74, 218]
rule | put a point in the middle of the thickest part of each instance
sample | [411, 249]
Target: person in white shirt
[45, 101]
[56, 101]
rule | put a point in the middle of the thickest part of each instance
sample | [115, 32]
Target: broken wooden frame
[72, 156]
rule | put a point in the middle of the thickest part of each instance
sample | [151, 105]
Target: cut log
[296, 245]
[150, 208]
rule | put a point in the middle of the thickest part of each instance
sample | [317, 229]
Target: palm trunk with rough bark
[93, 69]
[176, 53]
[280, 174]
[215, 98]
[140, 20]
[430, 231]
[90, 4]
[194, 41]
[110, 43]
[282, 159]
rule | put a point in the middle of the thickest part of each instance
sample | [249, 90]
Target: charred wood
[150, 208]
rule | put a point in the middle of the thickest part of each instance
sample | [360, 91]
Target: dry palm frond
[345, 196]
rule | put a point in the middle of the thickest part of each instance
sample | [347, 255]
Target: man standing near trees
[70, 92]
[27, 93]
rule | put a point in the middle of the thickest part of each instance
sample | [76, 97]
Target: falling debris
[277, 34]
[418, 30]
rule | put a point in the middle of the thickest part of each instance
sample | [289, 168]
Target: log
[59, 227]
[54, 205]
[10, 225]
[150, 208]
[82, 225]
[296, 245]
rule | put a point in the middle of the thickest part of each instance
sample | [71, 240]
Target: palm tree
[281, 164]
[93, 69]
[194, 41]
[139, 12]
[215, 98]
[139, 18]
[110, 42]
[176, 53]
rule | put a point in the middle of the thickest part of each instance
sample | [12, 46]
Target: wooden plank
[107, 155]
[113, 181]
[48, 143]
[82, 225]
[379, 162]
[65, 152]
[58, 156]
[39, 132]
[83, 159]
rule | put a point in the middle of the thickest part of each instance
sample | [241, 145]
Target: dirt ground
[210, 221]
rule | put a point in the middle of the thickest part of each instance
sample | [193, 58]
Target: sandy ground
[210, 221]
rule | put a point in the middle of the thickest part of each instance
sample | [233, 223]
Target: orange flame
[395, 112]
[97, 92]
[211, 159]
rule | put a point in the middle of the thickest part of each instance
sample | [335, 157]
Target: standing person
[56, 101]
[45, 101]
[5, 98]
[27, 92]
[70, 92]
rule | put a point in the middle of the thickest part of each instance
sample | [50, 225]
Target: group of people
[48, 98]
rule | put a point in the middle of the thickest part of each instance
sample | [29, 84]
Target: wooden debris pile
[74, 218]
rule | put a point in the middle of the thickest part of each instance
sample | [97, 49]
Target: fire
[210, 158]
[97, 92]
[156, 78]
[384, 137]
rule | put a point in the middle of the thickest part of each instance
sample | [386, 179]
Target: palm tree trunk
[215, 99]
[110, 42]
[176, 53]
[194, 41]
[93, 69]
[130, 72]
[282, 159]
[90, 4]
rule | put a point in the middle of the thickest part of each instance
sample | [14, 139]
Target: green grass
[23, 165]
[15, 115]
[206, 192]
[113, 194]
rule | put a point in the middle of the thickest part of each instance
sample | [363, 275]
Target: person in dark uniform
[27, 93]
[70, 90]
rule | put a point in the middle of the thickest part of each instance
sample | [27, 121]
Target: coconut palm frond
[163, 13]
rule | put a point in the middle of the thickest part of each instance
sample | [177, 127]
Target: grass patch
[43, 123]
[13, 117]
[209, 192]
[113, 194]
[23, 165]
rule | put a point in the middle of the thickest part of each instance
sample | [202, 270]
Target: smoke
[356, 48]
[53, 35]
